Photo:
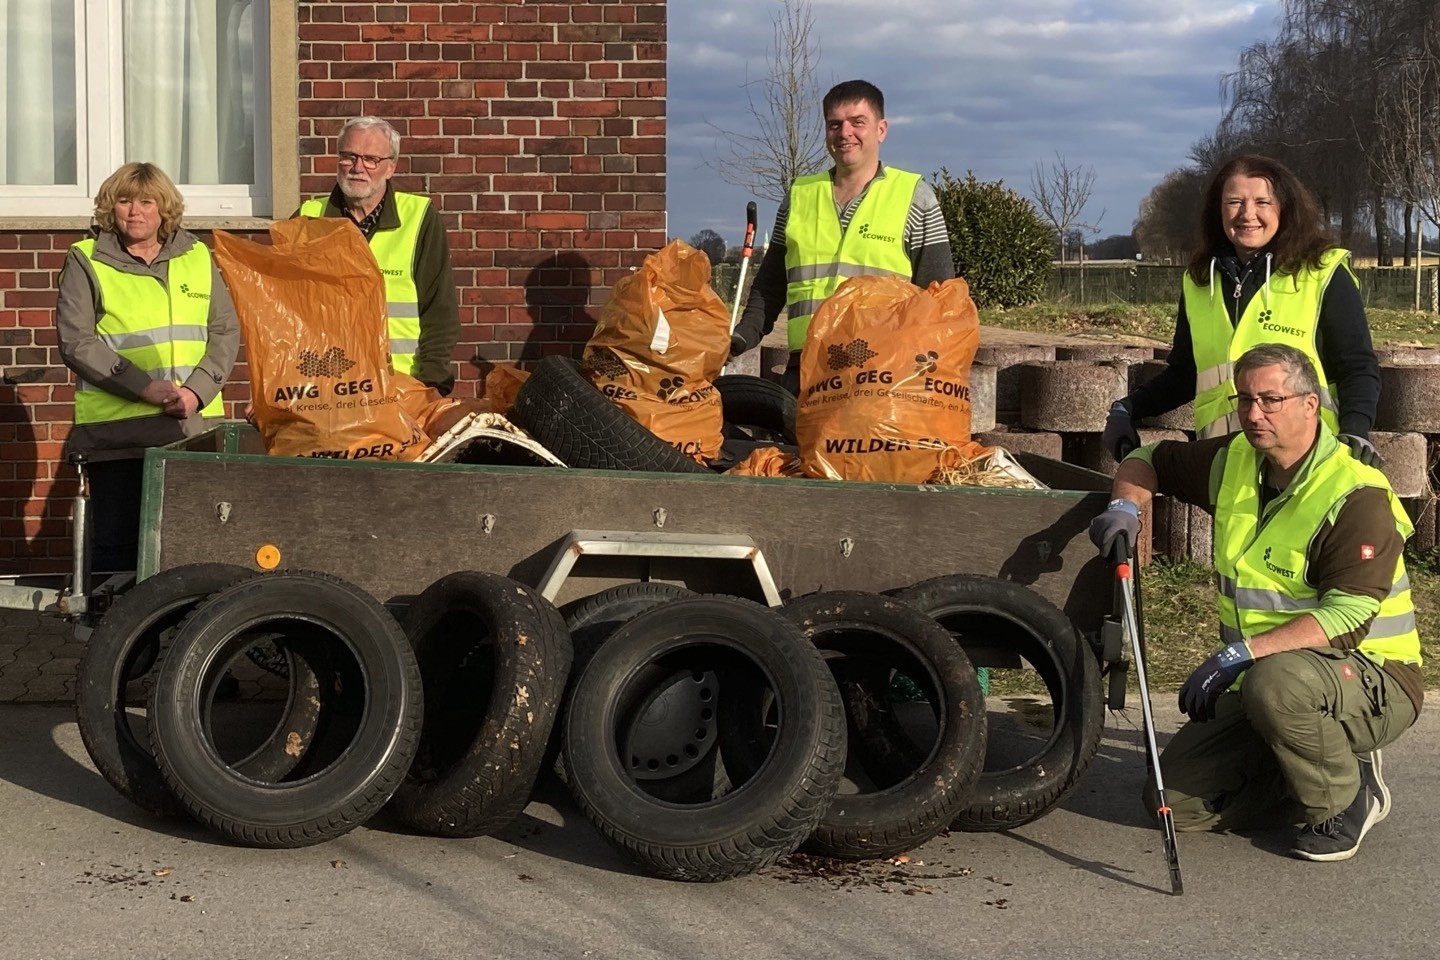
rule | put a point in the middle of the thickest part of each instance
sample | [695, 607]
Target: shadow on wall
[558, 293]
[34, 508]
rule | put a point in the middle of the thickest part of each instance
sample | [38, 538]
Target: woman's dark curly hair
[1302, 236]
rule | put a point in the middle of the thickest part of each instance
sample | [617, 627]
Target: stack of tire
[705, 736]
[444, 717]
[575, 421]
[708, 737]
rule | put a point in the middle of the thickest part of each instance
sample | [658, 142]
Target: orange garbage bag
[661, 340]
[502, 383]
[312, 310]
[885, 380]
[768, 462]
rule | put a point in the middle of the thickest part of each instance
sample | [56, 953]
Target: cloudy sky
[1124, 86]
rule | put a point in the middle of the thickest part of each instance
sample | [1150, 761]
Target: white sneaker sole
[1384, 790]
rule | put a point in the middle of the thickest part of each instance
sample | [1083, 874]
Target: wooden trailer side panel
[393, 529]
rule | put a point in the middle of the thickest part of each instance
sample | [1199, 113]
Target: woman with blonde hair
[147, 326]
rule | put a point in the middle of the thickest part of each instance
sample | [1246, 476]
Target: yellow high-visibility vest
[1261, 557]
[1286, 310]
[161, 328]
[819, 256]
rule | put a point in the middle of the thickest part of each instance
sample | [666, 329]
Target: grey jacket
[79, 309]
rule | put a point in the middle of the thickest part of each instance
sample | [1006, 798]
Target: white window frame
[99, 85]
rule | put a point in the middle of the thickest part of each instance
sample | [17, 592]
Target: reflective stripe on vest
[1286, 310]
[819, 256]
[160, 328]
[395, 253]
[1260, 562]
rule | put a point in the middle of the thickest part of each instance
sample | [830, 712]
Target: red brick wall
[538, 129]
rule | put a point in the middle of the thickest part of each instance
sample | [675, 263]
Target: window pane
[190, 87]
[37, 89]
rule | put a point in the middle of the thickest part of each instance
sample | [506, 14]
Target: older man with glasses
[1315, 617]
[409, 242]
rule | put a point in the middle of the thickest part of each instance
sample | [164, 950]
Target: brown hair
[854, 91]
[136, 181]
[1301, 237]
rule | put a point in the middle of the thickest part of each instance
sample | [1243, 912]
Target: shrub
[1000, 245]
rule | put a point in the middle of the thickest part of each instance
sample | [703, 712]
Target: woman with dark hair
[147, 326]
[1266, 271]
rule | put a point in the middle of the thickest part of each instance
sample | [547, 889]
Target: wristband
[1128, 506]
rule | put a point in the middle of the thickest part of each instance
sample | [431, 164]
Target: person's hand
[184, 405]
[1363, 450]
[744, 338]
[249, 414]
[1119, 523]
[159, 392]
[1212, 678]
[1120, 436]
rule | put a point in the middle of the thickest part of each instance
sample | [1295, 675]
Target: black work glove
[1363, 450]
[745, 337]
[1120, 436]
[1212, 678]
[1119, 523]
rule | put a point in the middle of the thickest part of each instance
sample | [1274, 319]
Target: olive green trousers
[1282, 747]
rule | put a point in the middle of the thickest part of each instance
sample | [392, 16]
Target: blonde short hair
[135, 181]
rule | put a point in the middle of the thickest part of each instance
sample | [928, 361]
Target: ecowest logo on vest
[867, 234]
[1287, 574]
[193, 294]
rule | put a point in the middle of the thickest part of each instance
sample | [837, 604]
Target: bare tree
[1409, 162]
[711, 244]
[1061, 193]
[788, 138]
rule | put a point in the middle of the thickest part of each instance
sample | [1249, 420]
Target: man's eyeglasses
[1268, 402]
[351, 159]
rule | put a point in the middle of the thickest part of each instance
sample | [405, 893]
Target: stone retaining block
[1181, 418]
[1407, 461]
[1070, 396]
[1086, 450]
[1409, 398]
[1183, 531]
[1407, 356]
[1101, 352]
[982, 397]
[1024, 441]
[1006, 358]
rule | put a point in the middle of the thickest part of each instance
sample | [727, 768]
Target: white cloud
[1123, 85]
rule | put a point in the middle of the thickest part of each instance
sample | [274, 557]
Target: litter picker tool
[746, 253]
[1128, 587]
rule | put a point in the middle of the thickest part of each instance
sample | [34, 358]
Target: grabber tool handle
[1125, 574]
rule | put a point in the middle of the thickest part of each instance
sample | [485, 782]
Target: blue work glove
[1212, 678]
[1120, 436]
[1363, 450]
[1120, 523]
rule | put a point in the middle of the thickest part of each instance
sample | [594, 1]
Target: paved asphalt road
[87, 876]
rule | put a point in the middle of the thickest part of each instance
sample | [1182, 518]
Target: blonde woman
[147, 326]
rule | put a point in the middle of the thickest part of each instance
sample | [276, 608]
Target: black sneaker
[1338, 838]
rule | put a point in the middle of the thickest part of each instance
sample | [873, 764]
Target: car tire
[373, 703]
[765, 817]
[494, 656]
[569, 417]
